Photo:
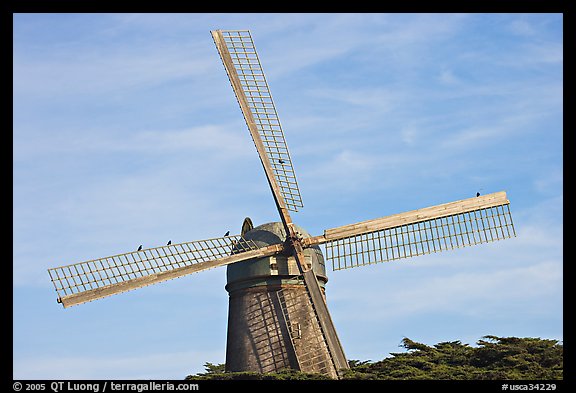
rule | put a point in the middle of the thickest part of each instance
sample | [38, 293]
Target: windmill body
[271, 325]
[276, 276]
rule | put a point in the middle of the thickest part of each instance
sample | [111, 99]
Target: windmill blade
[86, 281]
[432, 229]
[244, 70]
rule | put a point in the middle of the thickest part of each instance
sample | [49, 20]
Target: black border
[473, 6]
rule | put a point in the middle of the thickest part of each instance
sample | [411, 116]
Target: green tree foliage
[494, 358]
[508, 358]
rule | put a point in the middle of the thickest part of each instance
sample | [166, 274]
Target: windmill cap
[277, 269]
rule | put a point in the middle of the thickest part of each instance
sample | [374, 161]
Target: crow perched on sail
[169, 242]
[227, 233]
[140, 248]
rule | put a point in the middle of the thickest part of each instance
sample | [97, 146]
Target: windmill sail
[241, 61]
[443, 227]
[86, 281]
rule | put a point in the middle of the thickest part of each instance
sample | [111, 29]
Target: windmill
[276, 276]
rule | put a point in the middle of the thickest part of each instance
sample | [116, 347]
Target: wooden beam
[326, 323]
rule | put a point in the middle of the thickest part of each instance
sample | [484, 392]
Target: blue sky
[126, 132]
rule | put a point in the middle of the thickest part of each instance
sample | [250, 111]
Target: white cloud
[522, 27]
[448, 77]
[104, 73]
[477, 292]
[346, 170]
[409, 134]
[486, 131]
[419, 28]
[380, 99]
[456, 285]
[220, 141]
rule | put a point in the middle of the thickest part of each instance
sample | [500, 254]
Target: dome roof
[274, 269]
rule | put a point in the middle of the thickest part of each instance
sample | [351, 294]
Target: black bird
[477, 194]
[281, 161]
[169, 242]
[227, 233]
[140, 248]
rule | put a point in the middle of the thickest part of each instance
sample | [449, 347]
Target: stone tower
[271, 324]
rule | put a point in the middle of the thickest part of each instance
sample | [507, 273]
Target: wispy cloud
[447, 76]
[460, 285]
[97, 73]
[380, 99]
[522, 27]
[222, 140]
